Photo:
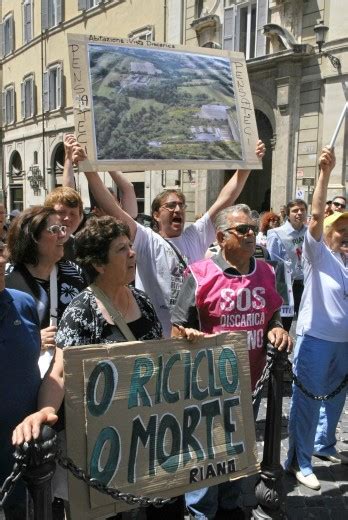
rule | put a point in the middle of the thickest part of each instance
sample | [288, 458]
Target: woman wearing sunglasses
[35, 248]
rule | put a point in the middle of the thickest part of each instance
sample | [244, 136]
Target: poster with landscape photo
[144, 105]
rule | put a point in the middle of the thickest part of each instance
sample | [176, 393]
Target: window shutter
[59, 11]
[44, 15]
[22, 100]
[229, 28]
[24, 25]
[82, 5]
[11, 34]
[28, 22]
[261, 20]
[13, 105]
[3, 107]
[45, 92]
[59, 86]
[32, 98]
[2, 50]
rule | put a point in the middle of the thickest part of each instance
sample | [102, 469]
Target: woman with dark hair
[269, 220]
[35, 247]
[108, 311]
[104, 251]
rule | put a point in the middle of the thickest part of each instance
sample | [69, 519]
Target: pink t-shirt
[235, 303]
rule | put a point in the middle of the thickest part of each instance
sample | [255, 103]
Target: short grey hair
[221, 218]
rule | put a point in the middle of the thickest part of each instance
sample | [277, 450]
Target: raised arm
[68, 172]
[128, 198]
[107, 202]
[231, 191]
[327, 161]
[102, 195]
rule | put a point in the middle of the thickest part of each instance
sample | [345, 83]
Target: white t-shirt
[324, 304]
[159, 270]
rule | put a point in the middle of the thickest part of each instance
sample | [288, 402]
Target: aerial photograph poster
[145, 105]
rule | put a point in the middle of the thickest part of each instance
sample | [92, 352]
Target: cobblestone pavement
[302, 503]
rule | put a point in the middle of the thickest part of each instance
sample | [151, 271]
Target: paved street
[331, 501]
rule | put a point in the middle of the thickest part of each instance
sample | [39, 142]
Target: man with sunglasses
[339, 204]
[164, 252]
[231, 291]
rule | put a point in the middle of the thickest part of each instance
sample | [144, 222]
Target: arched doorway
[257, 191]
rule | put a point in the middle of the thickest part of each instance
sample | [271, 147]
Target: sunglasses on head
[339, 205]
[243, 229]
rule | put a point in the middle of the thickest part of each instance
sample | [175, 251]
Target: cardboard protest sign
[146, 105]
[157, 418]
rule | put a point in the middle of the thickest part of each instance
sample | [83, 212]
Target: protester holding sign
[321, 353]
[164, 255]
[231, 291]
[102, 312]
[108, 311]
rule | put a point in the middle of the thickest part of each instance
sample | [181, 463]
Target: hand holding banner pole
[342, 116]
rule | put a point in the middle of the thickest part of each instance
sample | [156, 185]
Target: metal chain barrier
[309, 394]
[116, 494]
[264, 377]
[9, 482]
[20, 465]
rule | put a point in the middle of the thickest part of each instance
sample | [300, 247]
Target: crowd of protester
[68, 280]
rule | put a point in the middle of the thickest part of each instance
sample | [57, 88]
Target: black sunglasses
[243, 229]
[339, 205]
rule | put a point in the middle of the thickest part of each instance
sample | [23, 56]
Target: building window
[83, 5]
[27, 21]
[7, 35]
[246, 29]
[199, 4]
[27, 97]
[51, 13]
[8, 105]
[144, 33]
[139, 189]
[53, 88]
[16, 197]
[243, 24]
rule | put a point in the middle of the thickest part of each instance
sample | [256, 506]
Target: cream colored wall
[114, 19]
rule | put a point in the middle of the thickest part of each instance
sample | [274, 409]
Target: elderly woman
[107, 311]
[35, 247]
[321, 353]
[98, 314]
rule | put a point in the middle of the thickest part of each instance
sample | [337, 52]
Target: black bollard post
[269, 488]
[40, 455]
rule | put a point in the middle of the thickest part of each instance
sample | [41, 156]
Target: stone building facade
[298, 93]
